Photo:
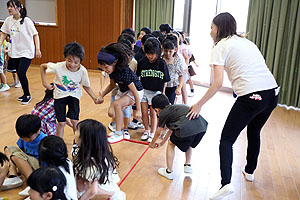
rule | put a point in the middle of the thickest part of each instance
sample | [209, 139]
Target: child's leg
[170, 155]
[23, 166]
[118, 106]
[188, 156]
[3, 171]
[74, 125]
[191, 84]
[15, 77]
[184, 93]
[60, 129]
[153, 120]
[3, 78]
[145, 117]
[12, 167]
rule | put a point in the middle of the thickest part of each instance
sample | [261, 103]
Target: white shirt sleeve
[51, 67]
[85, 81]
[218, 55]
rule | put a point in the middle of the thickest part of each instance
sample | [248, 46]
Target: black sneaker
[26, 100]
[20, 98]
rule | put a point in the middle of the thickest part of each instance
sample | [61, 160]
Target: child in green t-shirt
[183, 133]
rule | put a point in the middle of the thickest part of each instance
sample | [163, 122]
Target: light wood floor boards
[277, 175]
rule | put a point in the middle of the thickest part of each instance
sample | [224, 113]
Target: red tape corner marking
[133, 166]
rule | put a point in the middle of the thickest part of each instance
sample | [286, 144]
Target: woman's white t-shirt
[244, 64]
[22, 43]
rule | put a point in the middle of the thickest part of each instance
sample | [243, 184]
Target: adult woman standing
[255, 87]
[25, 42]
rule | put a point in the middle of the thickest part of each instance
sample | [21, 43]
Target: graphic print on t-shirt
[68, 85]
[152, 73]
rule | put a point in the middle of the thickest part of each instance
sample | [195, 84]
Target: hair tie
[106, 57]
[54, 188]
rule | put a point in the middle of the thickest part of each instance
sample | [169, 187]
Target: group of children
[149, 84]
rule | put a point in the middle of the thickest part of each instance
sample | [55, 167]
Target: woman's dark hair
[27, 125]
[74, 49]
[119, 52]
[48, 179]
[165, 27]
[147, 30]
[226, 25]
[17, 4]
[158, 35]
[160, 101]
[127, 45]
[53, 152]
[3, 158]
[94, 151]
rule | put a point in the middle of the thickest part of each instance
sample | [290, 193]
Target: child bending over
[183, 133]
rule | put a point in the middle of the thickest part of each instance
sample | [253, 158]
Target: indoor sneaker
[188, 168]
[26, 100]
[4, 88]
[150, 138]
[132, 126]
[163, 172]
[145, 136]
[191, 94]
[114, 138]
[20, 98]
[138, 124]
[10, 183]
[248, 177]
[18, 85]
[126, 134]
[223, 192]
[25, 192]
[112, 126]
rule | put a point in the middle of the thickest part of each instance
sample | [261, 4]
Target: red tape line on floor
[135, 141]
[133, 166]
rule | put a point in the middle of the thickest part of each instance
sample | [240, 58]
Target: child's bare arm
[91, 93]
[167, 136]
[153, 144]
[134, 91]
[92, 190]
[108, 89]
[164, 90]
[178, 89]
[43, 69]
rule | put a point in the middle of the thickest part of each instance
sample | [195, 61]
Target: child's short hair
[53, 152]
[160, 101]
[147, 30]
[152, 46]
[168, 44]
[27, 125]
[146, 37]
[126, 36]
[165, 27]
[48, 179]
[129, 31]
[74, 49]
[158, 35]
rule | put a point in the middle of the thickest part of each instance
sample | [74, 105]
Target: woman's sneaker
[224, 191]
[163, 172]
[26, 100]
[21, 98]
[188, 168]
[248, 177]
[145, 136]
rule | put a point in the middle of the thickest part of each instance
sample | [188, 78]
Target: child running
[70, 74]
[183, 133]
[113, 59]
[94, 163]
[53, 152]
[47, 183]
[154, 75]
[175, 67]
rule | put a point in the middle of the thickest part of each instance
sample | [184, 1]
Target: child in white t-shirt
[70, 74]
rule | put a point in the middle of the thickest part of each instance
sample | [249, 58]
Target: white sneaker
[4, 88]
[145, 136]
[163, 172]
[150, 138]
[18, 85]
[188, 168]
[132, 126]
[10, 183]
[138, 124]
[25, 192]
[114, 138]
[112, 126]
[191, 94]
[126, 134]
[223, 192]
[248, 177]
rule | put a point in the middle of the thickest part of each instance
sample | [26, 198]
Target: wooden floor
[277, 175]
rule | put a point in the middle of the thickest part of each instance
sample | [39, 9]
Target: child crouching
[183, 133]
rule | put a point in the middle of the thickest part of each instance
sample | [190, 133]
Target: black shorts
[60, 108]
[11, 66]
[185, 143]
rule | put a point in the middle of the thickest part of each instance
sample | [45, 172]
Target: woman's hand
[38, 53]
[194, 111]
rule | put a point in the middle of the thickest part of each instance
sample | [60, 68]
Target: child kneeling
[183, 133]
